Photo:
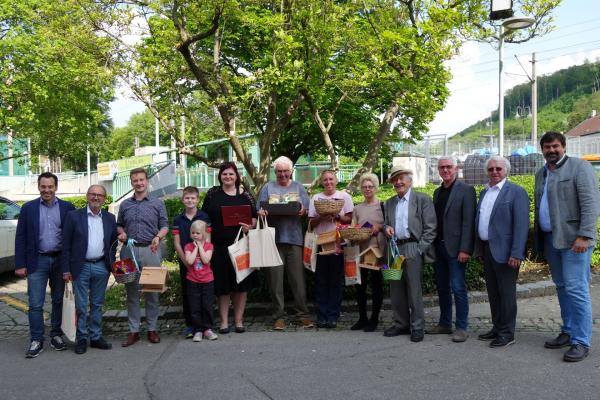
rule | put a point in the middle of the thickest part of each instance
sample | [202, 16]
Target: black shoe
[35, 348]
[331, 324]
[417, 336]
[359, 325]
[321, 324]
[57, 343]
[371, 325]
[491, 335]
[396, 331]
[240, 329]
[502, 341]
[81, 346]
[562, 340]
[577, 352]
[224, 331]
[100, 344]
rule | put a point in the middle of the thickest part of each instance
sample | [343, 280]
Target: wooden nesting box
[327, 242]
[369, 257]
[154, 279]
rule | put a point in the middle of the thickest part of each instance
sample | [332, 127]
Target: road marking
[18, 304]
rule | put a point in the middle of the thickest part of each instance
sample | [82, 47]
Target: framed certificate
[233, 215]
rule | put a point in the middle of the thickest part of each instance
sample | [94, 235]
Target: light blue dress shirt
[95, 247]
[401, 223]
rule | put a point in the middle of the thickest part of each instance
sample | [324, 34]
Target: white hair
[452, 159]
[283, 160]
[498, 158]
[369, 176]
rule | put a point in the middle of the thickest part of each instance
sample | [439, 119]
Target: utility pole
[534, 102]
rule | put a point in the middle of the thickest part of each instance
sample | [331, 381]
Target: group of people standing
[56, 243]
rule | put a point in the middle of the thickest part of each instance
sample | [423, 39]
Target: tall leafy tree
[55, 79]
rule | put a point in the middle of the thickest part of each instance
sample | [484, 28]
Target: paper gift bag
[69, 315]
[309, 253]
[263, 250]
[351, 268]
[239, 254]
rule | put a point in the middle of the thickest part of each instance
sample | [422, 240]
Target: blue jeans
[329, 286]
[48, 270]
[571, 275]
[90, 287]
[450, 280]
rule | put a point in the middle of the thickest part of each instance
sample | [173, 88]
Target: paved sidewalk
[308, 364]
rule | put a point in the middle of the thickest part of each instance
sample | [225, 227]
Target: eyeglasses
[446, 167]
[368, 187]
[96, 195]
[497, 169]
[281, 171]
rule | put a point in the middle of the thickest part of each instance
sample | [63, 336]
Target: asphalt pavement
[304, 364]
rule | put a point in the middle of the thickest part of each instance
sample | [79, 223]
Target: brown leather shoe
[153, 337]
[132, 337]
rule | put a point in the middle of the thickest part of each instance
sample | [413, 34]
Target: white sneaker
[210, 335]
[197, 337]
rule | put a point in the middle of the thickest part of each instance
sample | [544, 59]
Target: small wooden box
[154, 279]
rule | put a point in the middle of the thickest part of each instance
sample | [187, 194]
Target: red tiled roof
[587, 127]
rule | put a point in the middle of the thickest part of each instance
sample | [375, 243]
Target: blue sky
[474, 87]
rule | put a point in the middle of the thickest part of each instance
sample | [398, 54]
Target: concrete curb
[526, 290]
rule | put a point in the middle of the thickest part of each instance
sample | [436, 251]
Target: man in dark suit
[455, 209]
[88, 235]
[567, 204]
[410, 220]
[502, 224]
[38, 245]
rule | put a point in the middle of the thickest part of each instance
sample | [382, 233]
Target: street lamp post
[508, 25]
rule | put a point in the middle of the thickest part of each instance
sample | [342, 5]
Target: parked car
[9, 214]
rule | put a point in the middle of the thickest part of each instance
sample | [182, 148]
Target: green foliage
[55, 80]
[81, 201]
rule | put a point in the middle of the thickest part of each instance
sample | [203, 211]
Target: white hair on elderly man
[498, 158]
[452, 159]
[283, 161]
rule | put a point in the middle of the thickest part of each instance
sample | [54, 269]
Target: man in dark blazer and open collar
[88, 253]
[38, 245]
[455, 205]
[502, 225]
[410, 220]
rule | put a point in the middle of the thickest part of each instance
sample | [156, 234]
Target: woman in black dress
[229, 193]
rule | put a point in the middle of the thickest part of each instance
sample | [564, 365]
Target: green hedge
[475, 279]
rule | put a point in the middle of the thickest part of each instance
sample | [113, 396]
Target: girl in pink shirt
[200, 286]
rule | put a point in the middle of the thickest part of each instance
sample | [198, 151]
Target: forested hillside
[565, 98]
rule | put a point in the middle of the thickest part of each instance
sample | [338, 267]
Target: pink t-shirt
[338, 195]
[198, 272]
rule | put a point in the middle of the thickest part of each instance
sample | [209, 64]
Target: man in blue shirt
[38, 245]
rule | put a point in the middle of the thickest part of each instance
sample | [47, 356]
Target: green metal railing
[122, 183]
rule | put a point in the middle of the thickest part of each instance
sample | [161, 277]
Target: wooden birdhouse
[327, 242]
[370, 256]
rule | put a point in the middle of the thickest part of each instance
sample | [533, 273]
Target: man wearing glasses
[88, 235]
[455, 209]
[290, 239]
[502, 225]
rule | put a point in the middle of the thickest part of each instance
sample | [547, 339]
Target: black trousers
[201, 298]
[501, 284]
[376, 280]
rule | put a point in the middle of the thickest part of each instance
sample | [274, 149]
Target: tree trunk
[384, 130]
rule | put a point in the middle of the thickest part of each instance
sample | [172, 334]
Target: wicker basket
[328, 207]
[127, 278]
[356, 234]
[392, 274]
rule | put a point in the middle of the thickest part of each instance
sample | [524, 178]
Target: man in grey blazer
[502, 225]
[567, 204]
[454, 204]
[410, 220]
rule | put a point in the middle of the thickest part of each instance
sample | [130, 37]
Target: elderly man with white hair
[289, 239]
[501, 226]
